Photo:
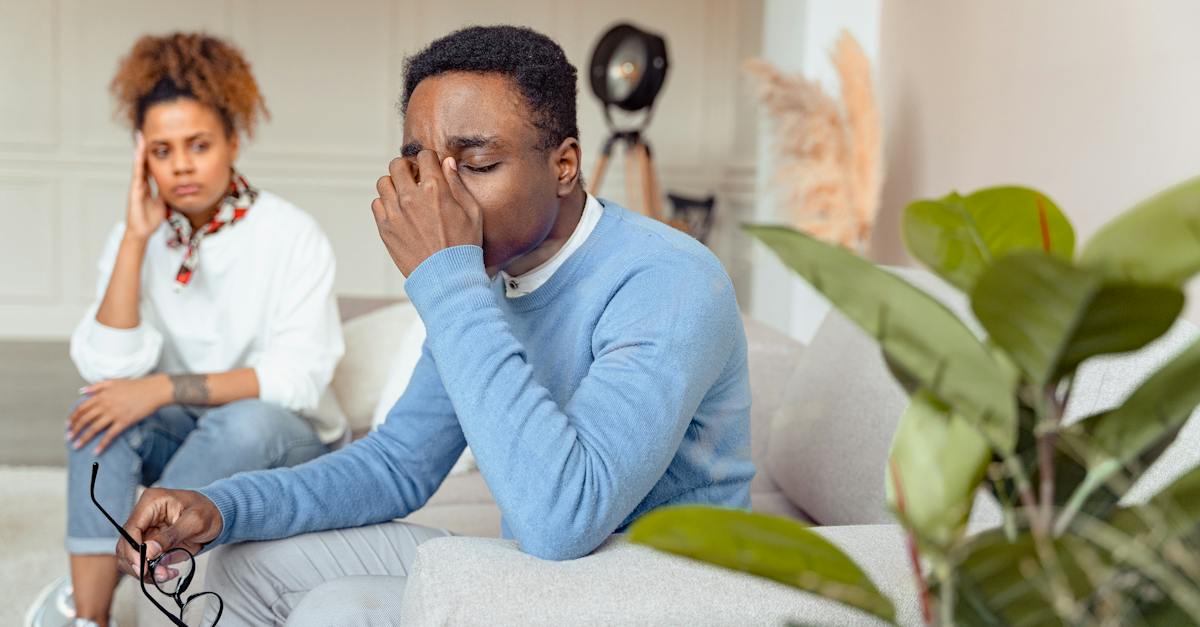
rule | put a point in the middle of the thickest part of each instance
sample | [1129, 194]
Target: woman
[215, 334]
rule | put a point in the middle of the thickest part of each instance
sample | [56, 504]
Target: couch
[822, 421]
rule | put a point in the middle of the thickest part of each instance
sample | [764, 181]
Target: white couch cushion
[772, 358]
[475, 581]
[404, 361]
[462, 505]
[831, 437]
[371, 344]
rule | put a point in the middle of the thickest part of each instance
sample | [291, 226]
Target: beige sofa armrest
[485, 581]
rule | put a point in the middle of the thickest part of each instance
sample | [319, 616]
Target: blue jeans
[182, 447]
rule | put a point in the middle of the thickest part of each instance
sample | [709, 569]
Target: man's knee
[358, 600]
[221, 571]
[241, 576]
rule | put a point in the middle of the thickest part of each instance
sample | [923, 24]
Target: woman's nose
[181, 163]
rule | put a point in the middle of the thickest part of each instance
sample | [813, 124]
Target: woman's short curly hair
[189, 65]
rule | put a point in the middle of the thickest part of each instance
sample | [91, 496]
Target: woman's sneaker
[55, 607]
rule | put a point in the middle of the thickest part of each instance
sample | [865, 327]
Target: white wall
[797, 37]
[1095, 103]
[331, 73]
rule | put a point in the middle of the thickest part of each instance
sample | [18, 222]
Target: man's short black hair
[533, 61]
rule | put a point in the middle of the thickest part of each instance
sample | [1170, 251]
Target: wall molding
[85, 159]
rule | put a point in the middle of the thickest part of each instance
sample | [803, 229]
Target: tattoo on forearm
[190, 389]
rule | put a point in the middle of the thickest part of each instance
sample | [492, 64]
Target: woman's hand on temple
[146, 211]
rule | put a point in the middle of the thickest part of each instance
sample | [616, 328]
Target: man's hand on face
[422, 212]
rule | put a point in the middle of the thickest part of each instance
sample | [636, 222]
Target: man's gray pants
[341, 577]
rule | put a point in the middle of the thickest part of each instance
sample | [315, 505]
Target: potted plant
[990, 413]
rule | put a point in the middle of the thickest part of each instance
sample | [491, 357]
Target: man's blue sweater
[618, 386]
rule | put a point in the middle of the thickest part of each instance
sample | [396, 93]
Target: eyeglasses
[179, 564]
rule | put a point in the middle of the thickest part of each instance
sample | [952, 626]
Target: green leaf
[1173, 512]
[1138, 555]
[1050, 316]
[1135, 433]
[958, 238]
[936, 464]
[1163, 614]
[772, 547]
[916, 332]
[1158, 241]
[1004, 583]
[1155, 411]
[1121, 317]
[995, 586]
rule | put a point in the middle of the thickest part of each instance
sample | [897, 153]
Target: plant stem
[1045, 450]
[947, 602]
[1093, 480]
[1049, 412]
[1132, 551]
[1041, 207]
[913, 551]
[1024, 487]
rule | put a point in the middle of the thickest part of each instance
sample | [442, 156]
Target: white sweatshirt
[261, 298]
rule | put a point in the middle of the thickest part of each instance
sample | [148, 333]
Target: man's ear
[566, 158]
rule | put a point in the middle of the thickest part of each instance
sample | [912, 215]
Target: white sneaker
[55, 607]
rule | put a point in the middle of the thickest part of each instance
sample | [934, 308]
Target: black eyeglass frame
[153, 564]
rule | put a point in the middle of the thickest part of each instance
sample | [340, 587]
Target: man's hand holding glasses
[165, 532]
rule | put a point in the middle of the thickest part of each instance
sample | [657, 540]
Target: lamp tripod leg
[631, 173]
[598, 178]
[651, 195]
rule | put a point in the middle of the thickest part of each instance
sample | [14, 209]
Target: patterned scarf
[233, 208]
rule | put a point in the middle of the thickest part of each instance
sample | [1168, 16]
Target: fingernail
[97, 451]
[84, 390]
[78, 445]
[153, 548]
[452, 163]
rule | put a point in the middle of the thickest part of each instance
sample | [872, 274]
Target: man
[593, 359]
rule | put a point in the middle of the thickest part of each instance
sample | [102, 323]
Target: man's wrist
[217, 518]
[447, 276]
[223, 504]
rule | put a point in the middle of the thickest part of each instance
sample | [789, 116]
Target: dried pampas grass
[831, 152]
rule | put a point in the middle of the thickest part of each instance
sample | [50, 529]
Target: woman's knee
[260, 429]
[248, 420]
[127, 442]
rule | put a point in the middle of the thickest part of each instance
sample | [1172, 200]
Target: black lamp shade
[629, 67]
